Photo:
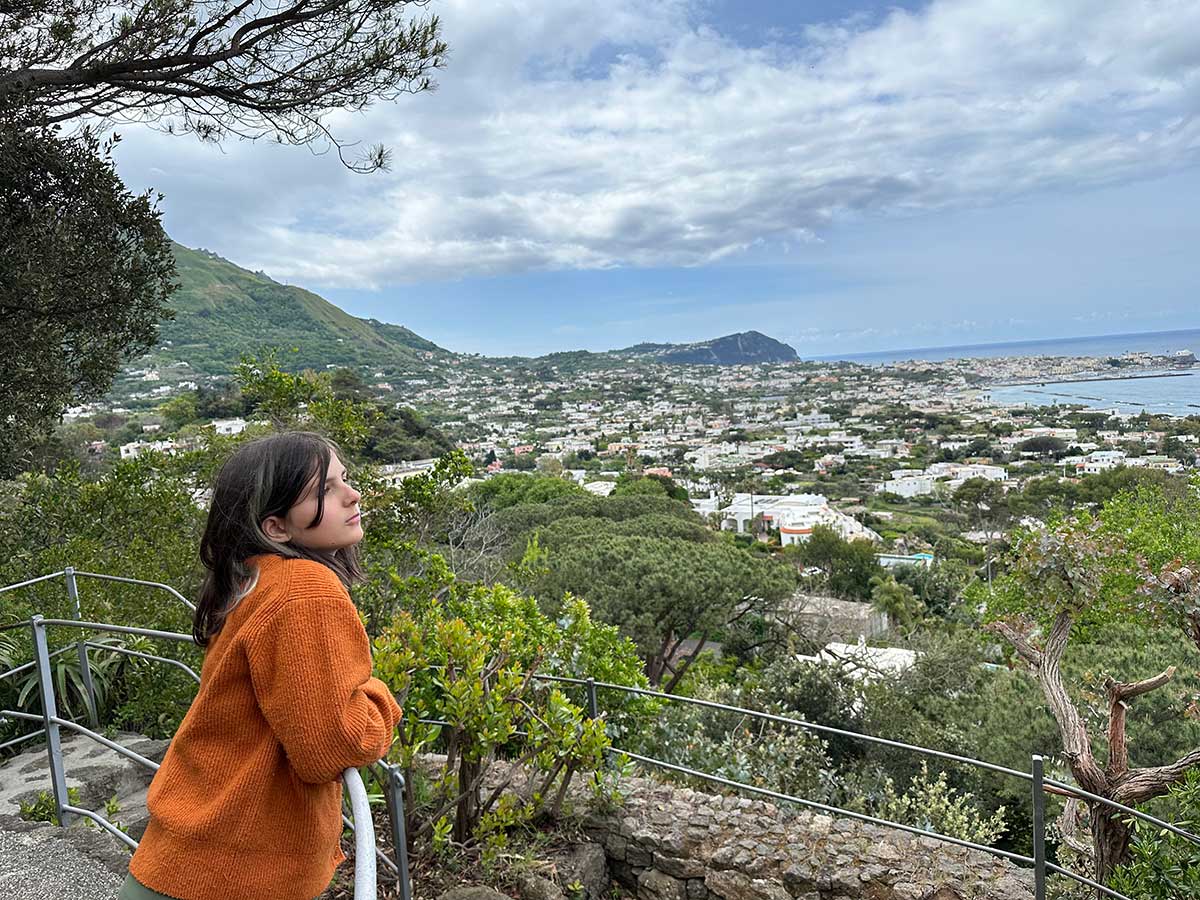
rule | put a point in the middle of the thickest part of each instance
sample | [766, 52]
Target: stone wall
[672, 843]
[664, 843]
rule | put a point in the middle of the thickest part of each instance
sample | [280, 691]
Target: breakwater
[1049, 383]
[1170, 392]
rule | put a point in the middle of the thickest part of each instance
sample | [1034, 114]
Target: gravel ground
[36, 863]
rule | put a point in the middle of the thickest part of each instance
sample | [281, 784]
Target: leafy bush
[933, 805]
[464, 671]
[1163, 865]
[733, 745]
[131, 693]
[42, 807]
[70, 694]
[821, 694]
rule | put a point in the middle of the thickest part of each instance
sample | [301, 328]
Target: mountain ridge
[740, 348]
[224, 310]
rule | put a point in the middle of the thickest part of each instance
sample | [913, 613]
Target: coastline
[1156, 391]
[1047, 383]
[1151, 343]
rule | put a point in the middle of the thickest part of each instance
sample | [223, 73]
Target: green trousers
[133, 889]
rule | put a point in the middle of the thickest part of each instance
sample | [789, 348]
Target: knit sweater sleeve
[310, 664]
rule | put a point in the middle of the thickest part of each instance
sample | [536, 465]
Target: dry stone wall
[671, 843]
[663, 843]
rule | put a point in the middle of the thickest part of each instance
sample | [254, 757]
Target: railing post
[365, 883]
[593, 705]
[58, 778]
[395, 803]
[85, 667]
[1039, 829]
[594, 713]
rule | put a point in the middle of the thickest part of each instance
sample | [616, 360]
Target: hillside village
[767, 451]
[873, 451]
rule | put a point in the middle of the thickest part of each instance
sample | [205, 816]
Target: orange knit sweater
[247, 804]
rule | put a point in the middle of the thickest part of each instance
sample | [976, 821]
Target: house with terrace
[794, 515]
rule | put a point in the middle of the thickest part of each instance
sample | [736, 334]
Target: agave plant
[70, 690]
[9, 651]
[9, 658]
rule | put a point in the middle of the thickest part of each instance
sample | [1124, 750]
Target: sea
[1177, 395]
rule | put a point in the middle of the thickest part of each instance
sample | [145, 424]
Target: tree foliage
[85, 273]
[848, 566]
[651, 485]
[898, 601]
[658, 590]
[252, 69]
[1083, 575]
[306, 399]
[1043, 445]
[509, 489]
[469, 662]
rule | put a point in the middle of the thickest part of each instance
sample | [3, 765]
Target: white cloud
[570, 134]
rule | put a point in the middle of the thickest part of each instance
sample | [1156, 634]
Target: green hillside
[223, 311]
[743, 348]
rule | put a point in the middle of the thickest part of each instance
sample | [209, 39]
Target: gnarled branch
[1140, 785]
[1077, 746]
[1019, 641]
[1069, 826]
[1118, 693]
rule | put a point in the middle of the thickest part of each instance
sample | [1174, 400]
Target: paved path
[40, 862]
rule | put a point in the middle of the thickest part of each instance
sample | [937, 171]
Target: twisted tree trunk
[1116, 781]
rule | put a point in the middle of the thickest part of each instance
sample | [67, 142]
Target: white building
[1067, 435]
[136, 448]
[948, 475]
[862, 662]
[394, 473]
[908, 483]
[1100, 461]
[795, 515]
[600, 488]
[1155, 461]
[963, 471]
[228, 426]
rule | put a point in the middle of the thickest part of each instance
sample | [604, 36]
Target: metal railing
[362, 823]
[392, 780]
[1039, 784]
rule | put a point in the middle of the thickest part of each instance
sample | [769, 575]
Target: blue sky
[844, 176]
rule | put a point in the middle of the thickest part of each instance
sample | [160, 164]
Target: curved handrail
[27, 582]
[364, 836]
[365, 873]
[150, 656]
[158, 584]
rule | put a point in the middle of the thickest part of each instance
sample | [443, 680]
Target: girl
[247, 804]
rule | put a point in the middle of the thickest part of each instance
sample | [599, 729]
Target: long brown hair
[263, 478]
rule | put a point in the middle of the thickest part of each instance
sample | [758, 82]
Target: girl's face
[340, 524]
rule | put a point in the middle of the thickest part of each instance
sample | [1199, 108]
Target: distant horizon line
[1025, 342]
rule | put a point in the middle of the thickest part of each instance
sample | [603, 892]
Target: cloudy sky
[844, 176]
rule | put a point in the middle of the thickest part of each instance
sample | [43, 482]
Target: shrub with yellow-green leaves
[509, 743]
[934, 805]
